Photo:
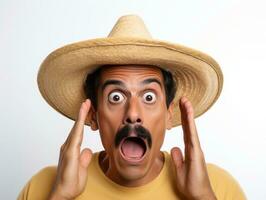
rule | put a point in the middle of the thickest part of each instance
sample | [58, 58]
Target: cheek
[156, 116]
[109, 122]
[157, 123]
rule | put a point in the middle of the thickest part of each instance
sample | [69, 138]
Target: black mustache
[138, 129]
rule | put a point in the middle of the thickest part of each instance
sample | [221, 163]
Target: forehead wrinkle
[121, 71]
[138, 75]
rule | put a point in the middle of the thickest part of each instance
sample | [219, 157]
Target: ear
[170, 113]
[92, 119]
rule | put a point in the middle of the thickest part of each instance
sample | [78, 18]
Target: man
[131, 88]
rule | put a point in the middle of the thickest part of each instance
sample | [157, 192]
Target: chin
[133, 168]
[132, 174]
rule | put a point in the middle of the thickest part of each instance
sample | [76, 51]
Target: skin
[192, 180]
[133, 109]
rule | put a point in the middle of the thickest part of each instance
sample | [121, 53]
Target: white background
[232, 132]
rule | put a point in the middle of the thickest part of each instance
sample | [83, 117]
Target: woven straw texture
[62, 74]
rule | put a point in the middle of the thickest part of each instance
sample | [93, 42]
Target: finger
[76, 134]
[188, 123]
[74, 139]
[177, 157]
[85, 158]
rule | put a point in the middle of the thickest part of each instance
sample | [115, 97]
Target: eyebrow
[120, 83]
[112, 82]
[151, 80]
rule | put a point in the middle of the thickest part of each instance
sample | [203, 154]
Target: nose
[133, 113]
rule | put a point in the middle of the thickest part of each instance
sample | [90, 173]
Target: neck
[112, 173]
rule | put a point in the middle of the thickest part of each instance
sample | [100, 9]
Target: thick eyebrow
[151, 80]
[112, 82]
[120, 83]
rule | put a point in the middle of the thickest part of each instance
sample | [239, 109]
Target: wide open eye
[115, 97]
[149, 97]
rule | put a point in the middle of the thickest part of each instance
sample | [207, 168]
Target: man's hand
[191, 174]
[72, 166]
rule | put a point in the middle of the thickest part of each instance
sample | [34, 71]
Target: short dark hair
[92, 83]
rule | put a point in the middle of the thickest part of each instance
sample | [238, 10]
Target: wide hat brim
[62, 74]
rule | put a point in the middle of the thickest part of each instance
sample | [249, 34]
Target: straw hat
[62, 74]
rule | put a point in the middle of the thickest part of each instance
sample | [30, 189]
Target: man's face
[132, 99]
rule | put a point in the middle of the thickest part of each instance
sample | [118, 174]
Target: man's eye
[115, 97]
[149, 97]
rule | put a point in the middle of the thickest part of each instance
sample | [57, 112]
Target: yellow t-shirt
[100, 187]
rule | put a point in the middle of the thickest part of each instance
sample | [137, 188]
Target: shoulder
[45, 176]
[219, 175]
[40, 185]
[224, 184]
[46, 171]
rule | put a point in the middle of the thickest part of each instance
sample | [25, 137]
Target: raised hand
[192, 180]
[72, 166]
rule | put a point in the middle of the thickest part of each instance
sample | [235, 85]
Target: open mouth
[133, 148]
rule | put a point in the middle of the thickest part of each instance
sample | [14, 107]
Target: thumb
[177, 157]
[85, 158]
